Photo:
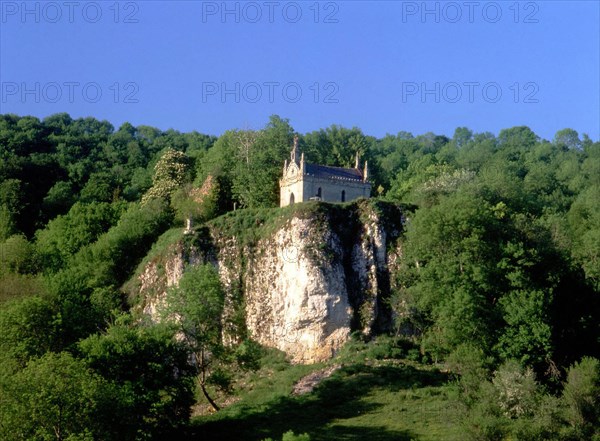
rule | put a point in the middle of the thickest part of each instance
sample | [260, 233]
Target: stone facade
[302, 181]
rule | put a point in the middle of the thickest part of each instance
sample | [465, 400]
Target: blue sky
[382, 66]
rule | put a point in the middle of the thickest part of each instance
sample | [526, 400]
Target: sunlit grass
[365, 399]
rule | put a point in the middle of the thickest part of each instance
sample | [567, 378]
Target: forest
[498, 291]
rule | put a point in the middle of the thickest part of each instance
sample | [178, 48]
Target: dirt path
[309, 382]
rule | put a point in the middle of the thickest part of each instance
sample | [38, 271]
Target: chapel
[303, 181]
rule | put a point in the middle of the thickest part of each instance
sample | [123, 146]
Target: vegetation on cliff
[496, 279]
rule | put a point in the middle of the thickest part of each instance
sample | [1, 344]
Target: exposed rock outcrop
[301, 279]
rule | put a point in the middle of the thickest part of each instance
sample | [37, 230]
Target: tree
[7, 223]
[11, 205]
[568, 138]
[151, 378]
[462, 136]
[516, 388]
[450, 271]
[67, 234]
[520, 136]
[55, 397]
[584, 220]
[16, 255]
[59, 199]
[259, 163]
[107, 263]
[528, 333]
[198, 204]
[101, 186]
[28, 328]
[582, 394]
[195, 307]
[169, 174]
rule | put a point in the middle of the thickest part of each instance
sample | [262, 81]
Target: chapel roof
[327, 172]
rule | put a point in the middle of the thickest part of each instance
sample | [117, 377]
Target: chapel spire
[294, 154]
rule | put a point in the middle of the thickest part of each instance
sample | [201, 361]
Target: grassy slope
[367, 399]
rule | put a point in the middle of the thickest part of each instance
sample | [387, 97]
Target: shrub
[581, 394]
[516, 389]
[290, 436]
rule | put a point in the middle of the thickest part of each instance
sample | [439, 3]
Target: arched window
[319, 192]
[292, 199]
[343, 195]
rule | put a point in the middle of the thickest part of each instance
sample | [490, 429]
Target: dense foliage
[500, 275]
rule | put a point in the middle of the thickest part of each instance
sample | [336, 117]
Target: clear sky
[382, 66]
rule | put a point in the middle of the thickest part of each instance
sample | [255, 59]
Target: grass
[19, 286]
[252, 224]
[366, 399]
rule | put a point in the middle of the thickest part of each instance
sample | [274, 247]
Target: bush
[388, 347]
[470, 364]
[484, 419]
[150, 373]
[290, 436]
[581, 394]
[28, 329]
[516, 389]
[54, 397]
[248, 355]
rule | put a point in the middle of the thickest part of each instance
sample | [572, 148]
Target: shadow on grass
[320, 413]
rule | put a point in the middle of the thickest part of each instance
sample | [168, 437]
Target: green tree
[54, 398]
[519, 137]
[67, 234]
[582, 395]
[148, 370]
[450, 271]
[462, 136]
[568, 138]
[28, 328]
[195, 307]
[528, 333]
[259, 163]
[16, 255]
[102, 267]
[11, 205]
[59, 199]
[584, 220]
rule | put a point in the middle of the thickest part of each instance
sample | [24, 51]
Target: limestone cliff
[299, 279]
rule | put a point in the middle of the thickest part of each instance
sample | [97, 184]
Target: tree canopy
[499, 270]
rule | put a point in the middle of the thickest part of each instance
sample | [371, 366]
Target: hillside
[304, 278]
[469, 280]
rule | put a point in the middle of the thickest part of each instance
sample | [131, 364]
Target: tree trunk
[210, 400]
[203, 382]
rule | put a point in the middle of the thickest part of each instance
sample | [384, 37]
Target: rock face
[308, 278]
